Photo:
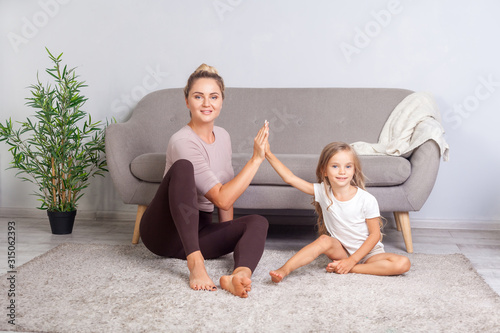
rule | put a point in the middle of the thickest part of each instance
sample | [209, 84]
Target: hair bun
[206, 68]
[204, 71]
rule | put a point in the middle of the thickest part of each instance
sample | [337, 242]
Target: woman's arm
[345, 265]
[224, 196]
[287, 175]
[226, 215]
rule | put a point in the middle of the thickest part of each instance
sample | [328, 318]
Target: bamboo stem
[53, 182]
[70, 197]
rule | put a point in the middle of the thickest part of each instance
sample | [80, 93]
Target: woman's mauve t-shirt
[211, 162]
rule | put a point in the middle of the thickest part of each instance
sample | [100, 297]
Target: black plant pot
[61, 223]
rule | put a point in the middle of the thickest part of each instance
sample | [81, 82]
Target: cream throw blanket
[415, 120]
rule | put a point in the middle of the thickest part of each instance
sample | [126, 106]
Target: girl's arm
[344, 266]
[287, 175]
[224, 196]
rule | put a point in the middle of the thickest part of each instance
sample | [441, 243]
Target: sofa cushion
[385, 170]
[302, 165]
[379, 170]
[149, 167]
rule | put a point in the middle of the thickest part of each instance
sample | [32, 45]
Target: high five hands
[260, 143]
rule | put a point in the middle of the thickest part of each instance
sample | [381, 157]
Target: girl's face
[204, 100]
[340, 169]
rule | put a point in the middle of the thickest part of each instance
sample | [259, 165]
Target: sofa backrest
[302, 120]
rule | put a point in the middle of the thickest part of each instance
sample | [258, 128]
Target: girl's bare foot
[277, 275]
[198, 276]
[238, 283]
[330, 268]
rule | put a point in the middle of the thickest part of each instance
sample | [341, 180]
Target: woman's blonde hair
[204, 71]
[358, 179]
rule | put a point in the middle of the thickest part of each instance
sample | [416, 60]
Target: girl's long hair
[357, 180]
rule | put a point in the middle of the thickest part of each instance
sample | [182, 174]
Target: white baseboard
[455, 224]
[12, 213]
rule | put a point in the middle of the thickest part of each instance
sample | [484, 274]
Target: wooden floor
[482, 247]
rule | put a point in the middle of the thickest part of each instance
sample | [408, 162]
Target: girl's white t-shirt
[346, 220]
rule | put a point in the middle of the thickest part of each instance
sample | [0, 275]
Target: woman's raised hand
[260, 143]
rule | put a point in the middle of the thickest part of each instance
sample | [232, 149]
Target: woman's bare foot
[277, 275]
[238, 283]
[198, 276]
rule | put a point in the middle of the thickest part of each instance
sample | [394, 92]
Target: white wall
[124, 49]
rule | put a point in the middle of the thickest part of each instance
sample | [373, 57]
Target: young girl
[348, 218]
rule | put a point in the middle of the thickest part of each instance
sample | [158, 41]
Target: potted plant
[60, 149]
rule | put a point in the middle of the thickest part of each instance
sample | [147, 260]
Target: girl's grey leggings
[172, 226]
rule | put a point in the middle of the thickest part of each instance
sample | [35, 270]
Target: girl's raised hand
[268, 147]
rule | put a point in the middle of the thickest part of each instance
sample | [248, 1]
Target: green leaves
[61, 148]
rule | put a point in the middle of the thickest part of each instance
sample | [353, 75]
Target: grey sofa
[302, 121]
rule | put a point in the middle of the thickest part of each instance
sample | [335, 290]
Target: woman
[199, 175]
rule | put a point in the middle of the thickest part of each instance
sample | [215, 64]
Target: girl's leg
[384, 264]
[323, 245]
[171, 222]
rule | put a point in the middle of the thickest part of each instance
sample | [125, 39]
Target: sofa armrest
[425, 162]
[122, 145]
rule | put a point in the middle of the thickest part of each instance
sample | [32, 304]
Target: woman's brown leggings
[172, 225]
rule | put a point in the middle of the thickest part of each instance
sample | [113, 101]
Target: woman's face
[204, 100]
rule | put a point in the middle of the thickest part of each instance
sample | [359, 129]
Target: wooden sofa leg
[140, 211]
[398, 223]
[403, 219]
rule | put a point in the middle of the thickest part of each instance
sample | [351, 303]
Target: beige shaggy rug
[104, 288]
